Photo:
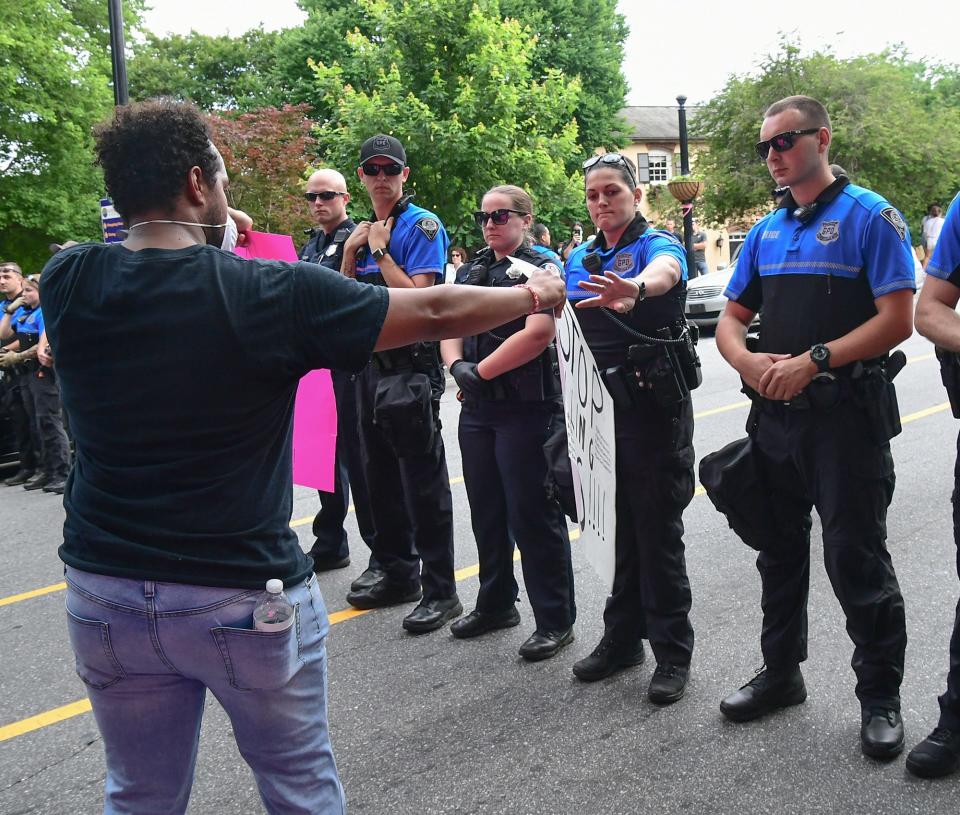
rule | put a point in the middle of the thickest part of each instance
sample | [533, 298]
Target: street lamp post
[687, 205]
[118, 57]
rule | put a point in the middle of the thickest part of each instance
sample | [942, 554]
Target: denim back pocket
[260, 660]
[97, 665]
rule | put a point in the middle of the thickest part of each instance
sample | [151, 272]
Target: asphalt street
[431, 724]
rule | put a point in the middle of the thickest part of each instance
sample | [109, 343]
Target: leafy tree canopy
[896, 128]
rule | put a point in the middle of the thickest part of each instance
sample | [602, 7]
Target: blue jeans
[148, 651]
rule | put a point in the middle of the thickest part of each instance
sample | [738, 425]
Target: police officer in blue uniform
[540, 243]
[937, 319]
[832, 269]
[398, 400]
[511, 392]
[11, 285]
[39, 391]
[327, 197]
[635, 328]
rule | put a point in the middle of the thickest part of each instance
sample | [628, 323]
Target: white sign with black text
[588, 408]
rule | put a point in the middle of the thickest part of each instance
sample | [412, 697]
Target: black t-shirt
[179, 369]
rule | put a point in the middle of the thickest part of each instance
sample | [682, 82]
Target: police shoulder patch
[429, 227]
[895, 219]
[623, 262]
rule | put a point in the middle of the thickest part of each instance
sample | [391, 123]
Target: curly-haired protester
[178, 507]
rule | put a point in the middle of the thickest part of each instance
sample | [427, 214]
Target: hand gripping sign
[588, 408]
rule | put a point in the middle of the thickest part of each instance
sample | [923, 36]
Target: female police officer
[639, 305]
[510, 392]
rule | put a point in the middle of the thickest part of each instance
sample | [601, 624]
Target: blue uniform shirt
[817, 280]
[418, 245]
[945, 262]
[540, 249]
[637, 247]
[27, 320]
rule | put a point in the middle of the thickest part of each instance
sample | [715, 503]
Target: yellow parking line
[723, 409]
[16, 598]
[920, 414]
[45, 719]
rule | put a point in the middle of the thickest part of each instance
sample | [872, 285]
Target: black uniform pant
[41, 400]
[12, 400]
[505, 470]
[950, 700]
[655, 482]
[348, 479]
[410, 503]
[828, 460]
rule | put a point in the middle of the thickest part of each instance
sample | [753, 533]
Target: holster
[875, 393]
[403, 410]
[950, 375]
[421, 357]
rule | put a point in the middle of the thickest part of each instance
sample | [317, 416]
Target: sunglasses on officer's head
[782, 141]
[326, 195]
[388, 169]
[613, 159]
[498, 216]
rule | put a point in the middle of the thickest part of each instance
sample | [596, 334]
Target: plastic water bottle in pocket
[274, 611]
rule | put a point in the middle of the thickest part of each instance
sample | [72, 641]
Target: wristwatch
[820, 355]
[378, 254]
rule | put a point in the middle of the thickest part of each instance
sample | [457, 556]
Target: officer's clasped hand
[468, 378]
[14, 305]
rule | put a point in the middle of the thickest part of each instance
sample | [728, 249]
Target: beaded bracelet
[536, 297]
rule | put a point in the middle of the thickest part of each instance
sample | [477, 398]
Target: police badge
[829, 232]
[429, 227]
[623, 263]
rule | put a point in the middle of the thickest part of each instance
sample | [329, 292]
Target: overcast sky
[690, 49]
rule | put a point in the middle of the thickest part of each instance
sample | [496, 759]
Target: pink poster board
[314, 412]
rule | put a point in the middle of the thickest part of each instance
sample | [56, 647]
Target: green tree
[896, 128]
[454, 82]
[215, 72]
[54, 85]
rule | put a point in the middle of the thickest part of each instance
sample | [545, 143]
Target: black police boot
[937, 755]
[57, 486]
[545, 644]
[608, 658]
[38, 481]
[480, 622]
[668, 683]
[881, 732]
[385, 593]
[367, 578]
[432, 614]
[18, 478]
[769, 690]
[328, 561]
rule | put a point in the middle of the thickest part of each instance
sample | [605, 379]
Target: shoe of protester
[57, 486]
[881, 732]
[608, 658]
[328, 562]
[668, 683]
[937, 755]
[545, 644]
[480, 622]
[18, 478]
[769, 690]
[385, 593]
[432, 614]
[38, 481]
[367, 579]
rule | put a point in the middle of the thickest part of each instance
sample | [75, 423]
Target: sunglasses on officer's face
[388, 169]
[498, 216]
[326, 195]
[782, 141]
[612, 159]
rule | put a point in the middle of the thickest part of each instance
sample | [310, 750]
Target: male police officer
[938, 321]
[398, 399]
[832, 269]
[327, 195]
[11, 289]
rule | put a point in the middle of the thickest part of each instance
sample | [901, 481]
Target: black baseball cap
[385, 146]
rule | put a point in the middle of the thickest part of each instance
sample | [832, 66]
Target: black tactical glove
[468, 379]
